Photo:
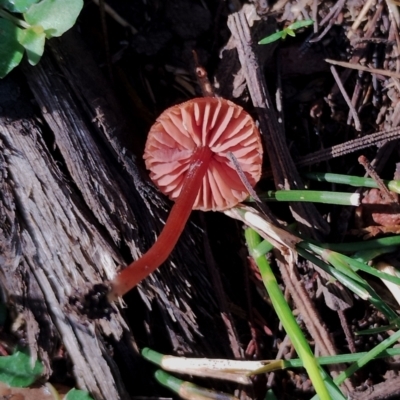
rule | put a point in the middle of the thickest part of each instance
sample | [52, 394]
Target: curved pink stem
[180, 212]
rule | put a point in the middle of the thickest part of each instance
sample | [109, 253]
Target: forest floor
[334, 84]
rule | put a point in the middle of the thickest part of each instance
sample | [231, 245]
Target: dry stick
[346, 330]
[335, 10]
[359, 67]
[361, 45]
[279, 355]
[249, 188]
[360, 50]
[330, 19]
[349, 147]
[369, 169]
[283, 167]
[314, 15]
[113, 14]
[360, 17]
[373, 40]
[309, 313]
[353, 111]
[355, 97]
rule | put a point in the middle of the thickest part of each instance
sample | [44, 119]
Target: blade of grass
[365, 256]
[357, 181]
[353, 247]
[355, 286]
[335, 258]
[374, 331]
[231, 370]
[370, 355]
[343, 268]
[206, 367]
[188, 390]
[313, 196]
[346, 263]
[325, 360]
[350, 279]
[285, 315]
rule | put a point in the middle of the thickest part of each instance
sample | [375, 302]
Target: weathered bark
[50, 245]
[70, 195]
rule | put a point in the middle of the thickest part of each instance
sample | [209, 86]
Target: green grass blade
[356, 286]
[289, 323]
[356, 181]
[358, 282]
[370, 355]
[313, 196]
[335, 258]
[365, 256]
[188, 390]
[353, 247]
[342, 267]
[325, 360]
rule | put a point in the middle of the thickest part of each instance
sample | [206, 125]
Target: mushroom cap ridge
[214, 122]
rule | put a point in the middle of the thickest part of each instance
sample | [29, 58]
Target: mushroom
[187, 154]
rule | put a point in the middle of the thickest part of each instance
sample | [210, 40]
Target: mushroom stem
[180, 212]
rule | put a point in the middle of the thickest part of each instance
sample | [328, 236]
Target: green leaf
[75, 394]
[271, 38]
[56, 16]
[33, 40]
[16, 370]
[300, 24]
[11, 51]
[17, 6]
[289, 32]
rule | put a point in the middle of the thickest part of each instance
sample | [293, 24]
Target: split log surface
[71, 196]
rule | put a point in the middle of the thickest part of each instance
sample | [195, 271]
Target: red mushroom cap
[214, 122]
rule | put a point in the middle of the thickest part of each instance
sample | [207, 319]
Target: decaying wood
[283, 167]
[387, 390]
[47, 235]
[70, 194]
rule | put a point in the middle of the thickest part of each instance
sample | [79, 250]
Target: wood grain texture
[71, 196]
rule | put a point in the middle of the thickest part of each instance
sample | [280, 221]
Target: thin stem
[188, 390]
[317, 376]
[159, 252]
[16, 21]
[357, 181]
[371, 355]
[314, 196]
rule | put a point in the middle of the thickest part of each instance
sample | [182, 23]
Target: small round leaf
[55, 16]
[16, 370]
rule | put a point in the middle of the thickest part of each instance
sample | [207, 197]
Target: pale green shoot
[289, 30]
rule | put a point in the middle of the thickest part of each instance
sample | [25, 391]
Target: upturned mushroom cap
[214, 122]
